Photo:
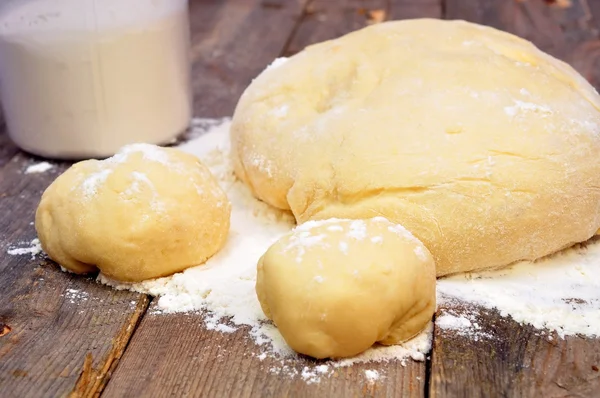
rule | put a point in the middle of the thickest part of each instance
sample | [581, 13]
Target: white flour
[40, 167]
[139, 182]
[372, 375]
[33, 248]
[453, 322]
[560, 292]
[462, 322]
[75, 296]
[313, 374]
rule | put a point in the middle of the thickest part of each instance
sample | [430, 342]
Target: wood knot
[4, 329]
[559, 3]
[19, 373]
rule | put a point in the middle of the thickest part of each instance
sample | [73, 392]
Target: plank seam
[429, 362]
[297, 25]
[111, 361]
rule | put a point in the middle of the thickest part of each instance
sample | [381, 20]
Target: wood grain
[7, 149]
[507, 359]
[405, 9]
[325, 20]
[52, 321]
[188, 360]
[232, 42]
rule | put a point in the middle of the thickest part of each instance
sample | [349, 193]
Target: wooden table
[113, 344]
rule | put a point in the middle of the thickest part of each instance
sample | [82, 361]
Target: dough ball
[481, 145]
[144, 213]
[336, 287]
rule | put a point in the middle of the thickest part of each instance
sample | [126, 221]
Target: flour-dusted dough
[144, 213]
[481, 145]
[335, 287]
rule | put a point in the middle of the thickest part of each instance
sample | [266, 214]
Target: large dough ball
[335, 287]
[478, 143]
[144, 213]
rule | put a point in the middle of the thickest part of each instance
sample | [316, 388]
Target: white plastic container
[81, 78]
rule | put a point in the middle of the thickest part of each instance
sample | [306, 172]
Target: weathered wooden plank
[232, 42]
[406, 9]
[188, 360]
[325, 20]
[515, 360]
[7, 148]
[586, 56]
[506, 359]
[61, 333]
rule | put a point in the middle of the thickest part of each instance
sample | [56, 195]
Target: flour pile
[33, 248]
[463, 322]
[40, 167]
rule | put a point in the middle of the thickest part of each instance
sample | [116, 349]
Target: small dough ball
[144, 213]
[336, 287]
[480, 144]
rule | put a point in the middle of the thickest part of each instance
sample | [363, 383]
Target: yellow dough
[146, 212]
[482, 146]
[335, 287]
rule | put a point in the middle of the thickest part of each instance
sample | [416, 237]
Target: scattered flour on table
[372, 375]
[463, 322]
[558, 293]
[40, 167]
[453, 322]
[68, 271]
[313, 374]
[76, 296]
[32, 248]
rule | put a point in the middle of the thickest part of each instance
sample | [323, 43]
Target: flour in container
[95, 99]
